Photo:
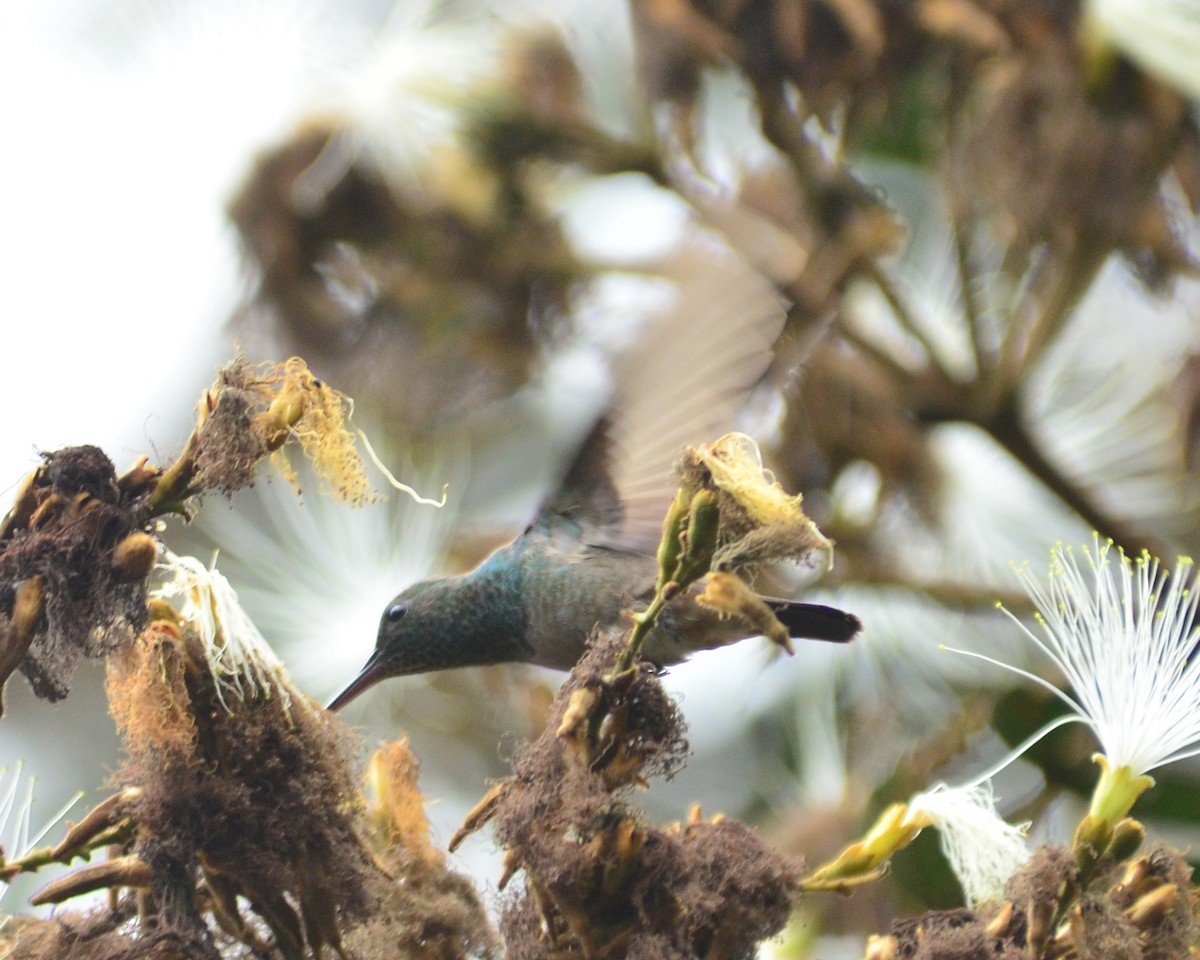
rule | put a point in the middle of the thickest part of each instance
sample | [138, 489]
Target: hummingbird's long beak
[368, 676]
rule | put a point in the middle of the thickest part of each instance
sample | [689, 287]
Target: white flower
[1160, 36]
[1123, 632]
[404, 104]
[240, 659]
[983, 849]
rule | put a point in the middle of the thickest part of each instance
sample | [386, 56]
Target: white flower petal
[1120, 438]
[1160, 36]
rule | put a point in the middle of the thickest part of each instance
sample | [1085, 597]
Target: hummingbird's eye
[395, 613]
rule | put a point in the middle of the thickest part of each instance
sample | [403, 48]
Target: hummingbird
[589, 553]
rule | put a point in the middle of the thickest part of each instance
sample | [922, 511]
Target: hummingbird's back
[568, 589]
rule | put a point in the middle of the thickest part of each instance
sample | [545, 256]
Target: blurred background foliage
[982, 216]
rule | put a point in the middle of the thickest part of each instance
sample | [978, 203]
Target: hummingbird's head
[432, 625]
[407, 642]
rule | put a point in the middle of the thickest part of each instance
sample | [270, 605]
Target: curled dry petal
[1152, 907]
[17, 635]
[108, 813]
[730, 594]
[480, 814]
[760, 521]
[134, 557]
[399, 809]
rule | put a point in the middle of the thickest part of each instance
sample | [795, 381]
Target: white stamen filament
[240, 659]
[982, 848]
[1124, 634]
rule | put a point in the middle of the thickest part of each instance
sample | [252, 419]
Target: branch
[1010, 432]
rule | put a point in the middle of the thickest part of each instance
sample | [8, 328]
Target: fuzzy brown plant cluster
[419, 266]
[239, 829]
[1143, 907]
[255, 796]
[460, 273]
[79, 541]
[250, 413]
[74, 555]
[599, 881]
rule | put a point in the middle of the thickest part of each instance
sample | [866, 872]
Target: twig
[964, 260]
[872, 350]
[1068, 288]
[1009, 430]
[907, 319]
[1053, 287]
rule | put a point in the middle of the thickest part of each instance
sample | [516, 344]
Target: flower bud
[134, 557]
[1127, 837]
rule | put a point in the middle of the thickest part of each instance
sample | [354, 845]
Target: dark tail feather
[813, 621]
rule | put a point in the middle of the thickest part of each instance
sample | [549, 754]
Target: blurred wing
[680, 383]
[587, 495]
